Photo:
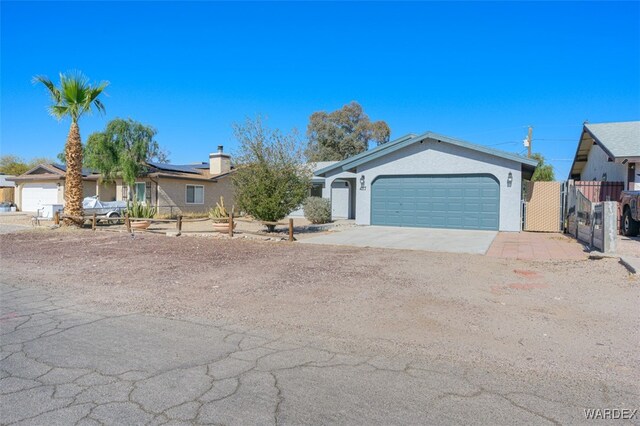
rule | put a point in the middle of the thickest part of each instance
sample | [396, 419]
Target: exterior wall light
[362, 186]
[509, 179]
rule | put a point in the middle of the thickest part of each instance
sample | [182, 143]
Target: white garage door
[35, 195]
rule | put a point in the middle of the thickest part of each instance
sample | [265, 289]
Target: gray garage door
[436, 201]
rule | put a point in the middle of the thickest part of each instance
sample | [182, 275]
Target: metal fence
[597, 191]
[594, 223]
[583, 214]
[597, 226]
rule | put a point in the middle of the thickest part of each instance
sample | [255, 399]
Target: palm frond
[99, 106]
[53, 90]
[59, 111]
[74, 96]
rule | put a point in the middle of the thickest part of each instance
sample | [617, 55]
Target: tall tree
[123, 150]
[544, 172]
[342, 133]
[14, 165]
[72, 98]
[271, 178]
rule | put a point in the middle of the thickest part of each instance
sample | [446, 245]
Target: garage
[35, 195]
[433, 181]
[436, 201]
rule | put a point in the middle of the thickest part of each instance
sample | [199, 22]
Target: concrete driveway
[427, 239]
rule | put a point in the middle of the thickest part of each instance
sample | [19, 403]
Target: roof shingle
[621, 139]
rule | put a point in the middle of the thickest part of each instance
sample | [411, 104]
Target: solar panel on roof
[180, 168]
[63, 167]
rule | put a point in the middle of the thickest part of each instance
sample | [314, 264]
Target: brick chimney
[219, 162]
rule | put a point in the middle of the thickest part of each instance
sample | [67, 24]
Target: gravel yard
[574, 319]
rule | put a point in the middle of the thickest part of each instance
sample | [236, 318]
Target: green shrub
[271, 177]
[317, 210]
[140, 210]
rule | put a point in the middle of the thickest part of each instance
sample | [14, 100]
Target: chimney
[219, 162]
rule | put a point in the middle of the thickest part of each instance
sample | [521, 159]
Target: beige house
[172, 188]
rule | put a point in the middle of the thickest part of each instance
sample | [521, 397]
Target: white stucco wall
[598, 163]
[432, 158]
[339, 196]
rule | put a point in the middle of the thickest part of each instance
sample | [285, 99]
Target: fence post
[127, 222]
[610, 226]
[231, 224]
[179, 223]
[56, 217]
[93, 222]
[291, 230]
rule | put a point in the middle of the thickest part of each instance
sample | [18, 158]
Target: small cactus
[219, 211]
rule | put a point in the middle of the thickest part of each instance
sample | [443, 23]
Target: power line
[503, 143]
[556, 140]
[498, 130]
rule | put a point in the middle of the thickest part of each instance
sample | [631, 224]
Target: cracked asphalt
[64, 363]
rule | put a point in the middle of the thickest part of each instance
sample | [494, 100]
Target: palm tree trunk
[73, 179]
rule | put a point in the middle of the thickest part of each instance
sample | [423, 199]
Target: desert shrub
[271, 178]
[141, 210]
[317, 210]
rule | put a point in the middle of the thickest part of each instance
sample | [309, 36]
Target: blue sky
[479, 71]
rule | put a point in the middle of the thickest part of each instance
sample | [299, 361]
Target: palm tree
[72, 98]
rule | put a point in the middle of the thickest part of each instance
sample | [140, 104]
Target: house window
[195, 194]
[140, 192]
[316, 190]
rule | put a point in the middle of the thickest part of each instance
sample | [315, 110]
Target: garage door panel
[442, 201]
[36, 195]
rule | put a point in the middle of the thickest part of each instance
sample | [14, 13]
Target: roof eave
[340, 164]
[27, 178]
[49, 167]
[183, 177]
[440, 138]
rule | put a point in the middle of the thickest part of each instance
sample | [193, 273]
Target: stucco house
[7, 188]
[609, 152]
[172, 188]
[428, 180]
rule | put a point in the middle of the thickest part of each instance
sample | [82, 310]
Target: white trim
[194, 194]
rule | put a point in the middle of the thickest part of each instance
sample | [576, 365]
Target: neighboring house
[44, 185]
[172, 188]
[430, 181]
[7, 189]
[317, 183]
[609, 152]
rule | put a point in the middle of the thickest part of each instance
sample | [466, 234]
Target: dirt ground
[628, 246]
[570, 318]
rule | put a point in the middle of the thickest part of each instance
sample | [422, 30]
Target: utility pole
[528, 141]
